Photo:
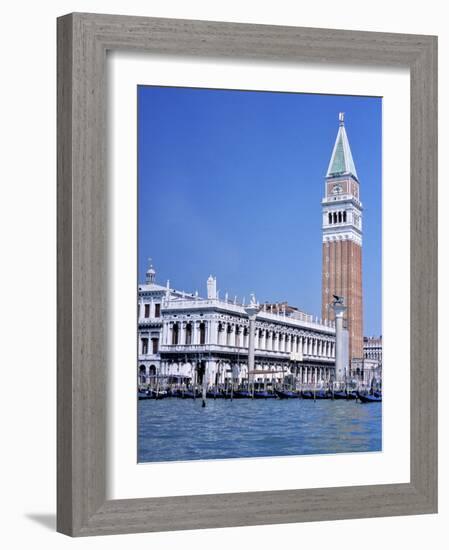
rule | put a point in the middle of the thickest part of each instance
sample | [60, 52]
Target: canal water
[180, 429]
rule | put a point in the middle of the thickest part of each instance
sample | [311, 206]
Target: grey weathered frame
[83, 40]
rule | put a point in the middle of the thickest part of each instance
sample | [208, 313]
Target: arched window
[144, 346]
[154, 345]
[344, 216]
[188, 334]
[142, 374]
[339, 217]
[175, 334]
[330, 217]
[228, 335]
[202, 333]
[220, 333]
[335, 217]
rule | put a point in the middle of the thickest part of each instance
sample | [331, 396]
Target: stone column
[167, 333]
[251, 310]
[141, 309]
[212, 332]
[251, 339]
[340, 367]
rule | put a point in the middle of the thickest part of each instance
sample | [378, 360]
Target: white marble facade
[185, 338]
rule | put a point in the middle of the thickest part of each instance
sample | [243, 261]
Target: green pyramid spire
[341, 162]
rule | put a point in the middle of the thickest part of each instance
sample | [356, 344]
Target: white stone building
[185, 338]
[372, 348]
[368, 370]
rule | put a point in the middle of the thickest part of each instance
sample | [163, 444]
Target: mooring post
[204, 388]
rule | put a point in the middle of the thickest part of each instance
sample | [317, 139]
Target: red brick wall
[345, 279]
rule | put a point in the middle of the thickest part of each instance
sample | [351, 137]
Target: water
[179, 429]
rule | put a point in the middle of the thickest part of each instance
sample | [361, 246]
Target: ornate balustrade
[205, 349]
[198, 304]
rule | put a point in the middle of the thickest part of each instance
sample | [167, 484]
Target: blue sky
[231, 182]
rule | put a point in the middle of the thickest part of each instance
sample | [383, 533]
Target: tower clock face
[337, 189]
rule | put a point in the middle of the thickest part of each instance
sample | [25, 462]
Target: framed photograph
[247, 274]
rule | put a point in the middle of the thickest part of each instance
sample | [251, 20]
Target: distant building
[369, 369]
[372, 348]
[366, 371]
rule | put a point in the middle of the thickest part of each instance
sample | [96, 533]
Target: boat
[307, 394]
[287, 394]
[215, 394]
[143, 394]
[339, 395]
[188, 394]
[160, 394]
[240, 394]
[319, 394]
[262, 394]
[322, 394]
[369, 398]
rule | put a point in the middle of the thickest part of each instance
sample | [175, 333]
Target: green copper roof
[341, 161]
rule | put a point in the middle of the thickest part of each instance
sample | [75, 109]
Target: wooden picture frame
[83, 40]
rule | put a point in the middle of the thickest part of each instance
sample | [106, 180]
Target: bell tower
[342, 241]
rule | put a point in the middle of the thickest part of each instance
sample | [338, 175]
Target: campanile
[342, 240]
